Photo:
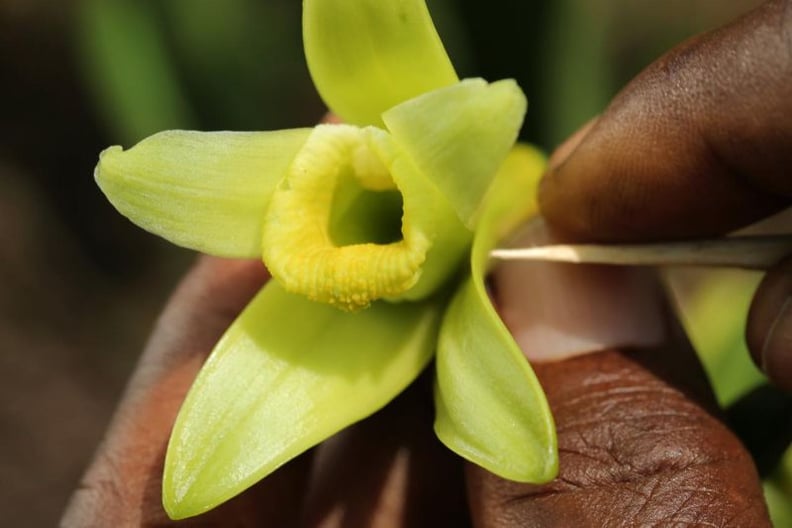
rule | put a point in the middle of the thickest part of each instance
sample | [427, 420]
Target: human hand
[386, 471]
[390, 470]
[699, 144]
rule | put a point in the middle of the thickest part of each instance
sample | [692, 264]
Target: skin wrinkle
[643, 499]
[647, 499]
[612, 398]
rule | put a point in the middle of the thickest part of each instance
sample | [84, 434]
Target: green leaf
[715, 318]
[369, 55]
[491, 409]
[206, 191]
[459, 136]
[287, 374]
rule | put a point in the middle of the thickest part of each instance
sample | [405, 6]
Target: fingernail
[563, 151]
[777, 348]
[556, 311]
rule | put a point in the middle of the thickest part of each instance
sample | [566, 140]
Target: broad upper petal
[458, 137]
[369, 55]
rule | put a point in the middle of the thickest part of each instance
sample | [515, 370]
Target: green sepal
[287, 374]
[206, 191]
[458, 137]
[490, 406]
[369, 55]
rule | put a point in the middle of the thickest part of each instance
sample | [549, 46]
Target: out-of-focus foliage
[715, 314]
[778, 493]
[127, 62]
[195, 64]
[714, 308]
[239, 65]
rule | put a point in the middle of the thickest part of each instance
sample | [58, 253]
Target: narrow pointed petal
[286, 375]
[459, 136]
[490, 407]
[206, 191]
[369, 55]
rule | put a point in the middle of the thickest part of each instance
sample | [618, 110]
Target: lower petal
[490, 407]
[286, 375]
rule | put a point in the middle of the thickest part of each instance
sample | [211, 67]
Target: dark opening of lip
[360, 216]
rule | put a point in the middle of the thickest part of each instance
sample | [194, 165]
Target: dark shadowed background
[80, 286]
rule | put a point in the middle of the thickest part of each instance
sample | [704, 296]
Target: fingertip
[696, 145]
[769, 330]
[559, 201]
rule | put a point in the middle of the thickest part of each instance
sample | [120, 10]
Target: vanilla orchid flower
[376, 232]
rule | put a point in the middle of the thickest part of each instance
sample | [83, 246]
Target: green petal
[207, 191]
[287, 374]
[459, 136]
[491, 409]
[369, 55]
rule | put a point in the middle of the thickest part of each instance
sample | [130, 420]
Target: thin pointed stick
[755, 252]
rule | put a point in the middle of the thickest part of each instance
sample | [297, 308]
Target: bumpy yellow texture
[297, 244]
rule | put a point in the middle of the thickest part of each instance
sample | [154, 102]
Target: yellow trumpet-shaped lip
[326, 235]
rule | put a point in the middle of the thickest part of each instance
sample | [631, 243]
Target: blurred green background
[81, 286]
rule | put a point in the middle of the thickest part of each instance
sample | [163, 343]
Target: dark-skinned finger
[698, 144]
[122, 487]
[640, 439]
[769, 331]
[639, 445]
[388, 471]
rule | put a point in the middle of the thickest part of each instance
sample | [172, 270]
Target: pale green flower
[378, 217]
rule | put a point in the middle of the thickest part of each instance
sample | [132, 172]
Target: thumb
[640, 439]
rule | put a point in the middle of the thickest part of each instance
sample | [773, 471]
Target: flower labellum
[365, 227]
